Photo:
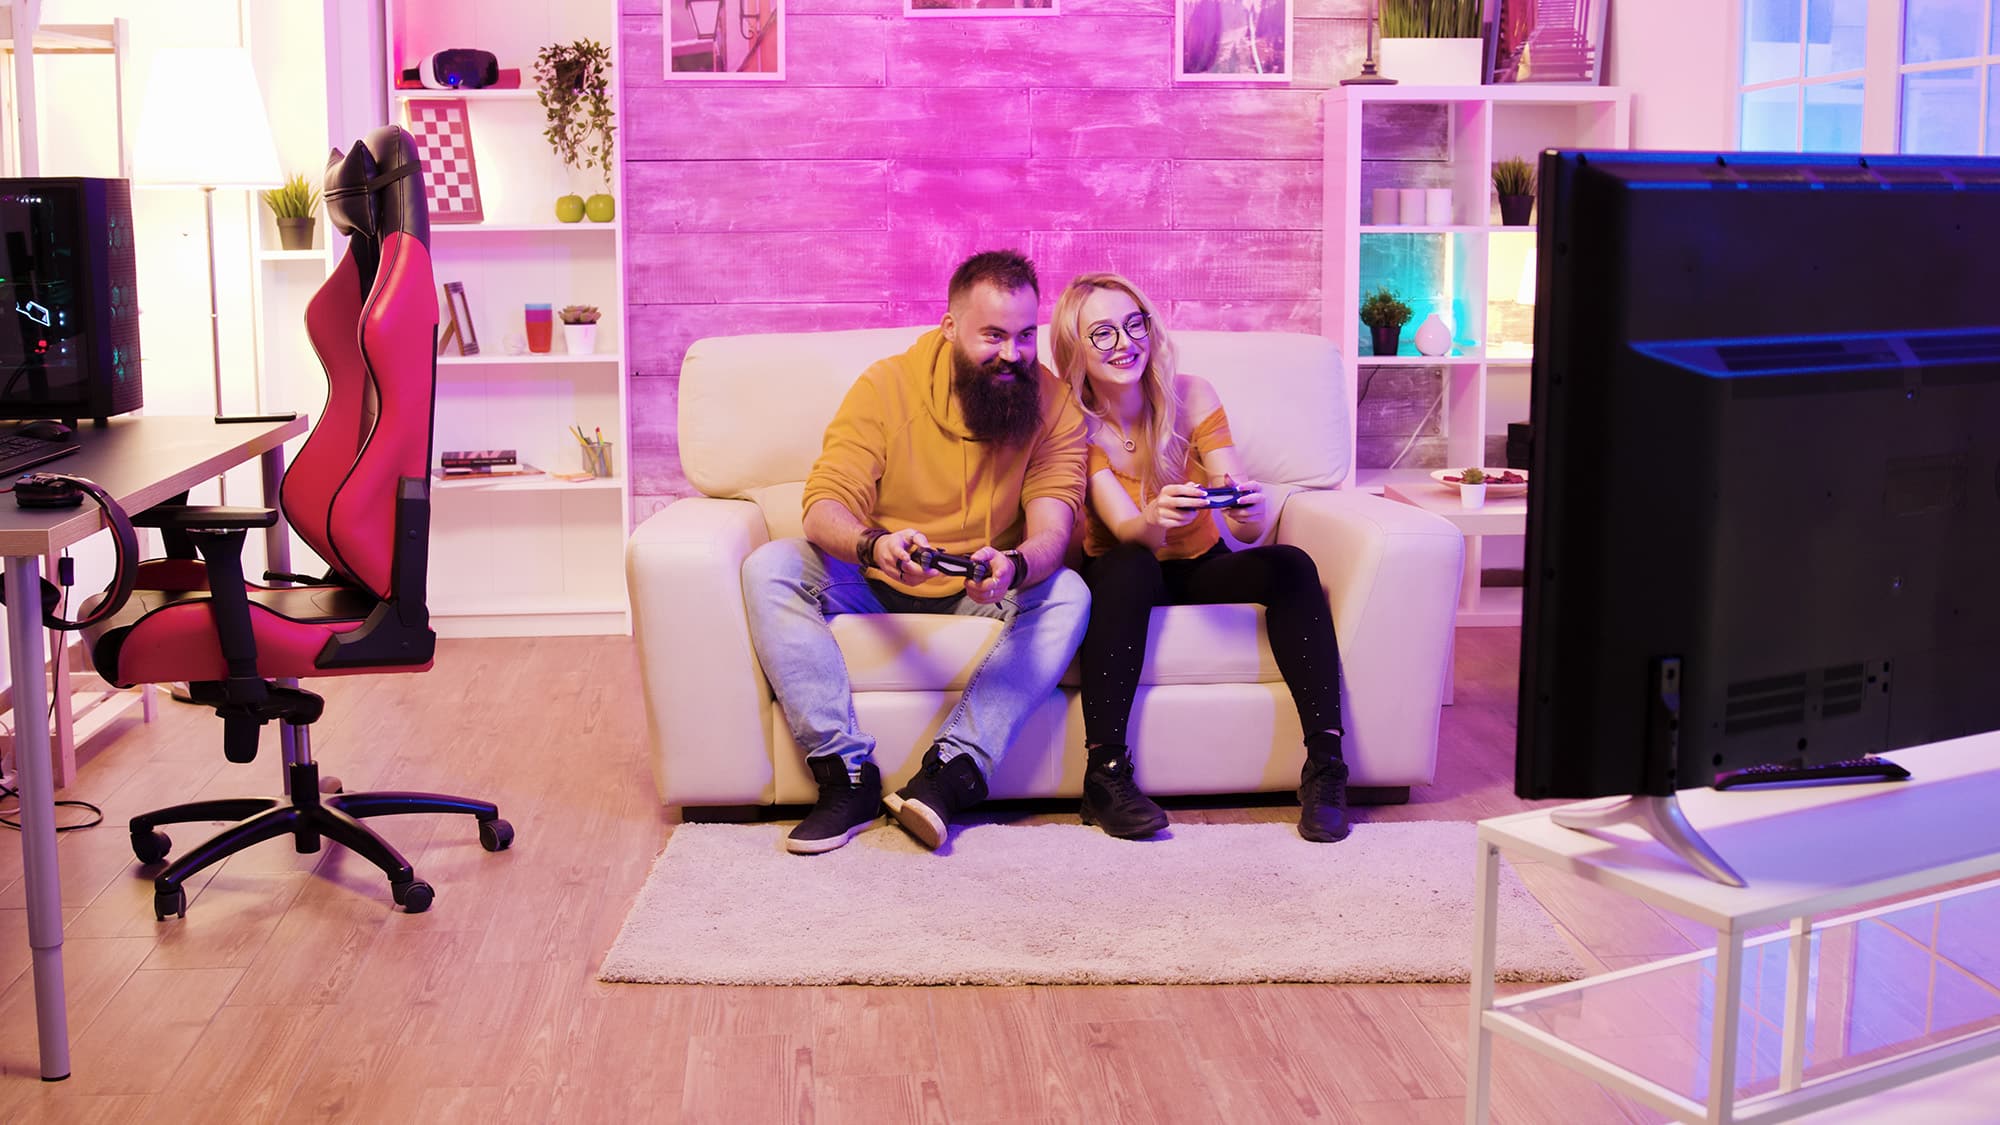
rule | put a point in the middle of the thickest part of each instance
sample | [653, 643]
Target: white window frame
[1881, 75]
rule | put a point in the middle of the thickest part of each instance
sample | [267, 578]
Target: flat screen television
[1764, 524]
[70, 347]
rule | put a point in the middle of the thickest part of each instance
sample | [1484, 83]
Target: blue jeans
[791, 588]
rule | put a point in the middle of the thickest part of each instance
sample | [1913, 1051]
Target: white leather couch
[1212, 714]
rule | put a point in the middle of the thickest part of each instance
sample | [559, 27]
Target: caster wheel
[174, 902]
[330, 785]
[495, 835]
[414, 896]
[151, 847]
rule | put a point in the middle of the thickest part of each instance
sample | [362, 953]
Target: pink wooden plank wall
[843, 196]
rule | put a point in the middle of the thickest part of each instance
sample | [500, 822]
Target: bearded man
[964, 443]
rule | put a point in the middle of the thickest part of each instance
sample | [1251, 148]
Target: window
[1870, 76]
[1950, 49]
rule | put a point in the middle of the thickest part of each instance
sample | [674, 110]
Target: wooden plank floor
[293, 992]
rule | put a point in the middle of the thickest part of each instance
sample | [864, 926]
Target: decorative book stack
[459, 464]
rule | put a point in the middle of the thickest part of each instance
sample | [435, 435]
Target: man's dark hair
[1005, 270]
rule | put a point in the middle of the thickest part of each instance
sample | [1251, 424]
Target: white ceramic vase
[1433, 336]
[1432, 62]
[580, 339]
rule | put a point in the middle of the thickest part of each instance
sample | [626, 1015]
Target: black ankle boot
[1111, 798]
[845, 806]
[1323, 791]
[940, 792]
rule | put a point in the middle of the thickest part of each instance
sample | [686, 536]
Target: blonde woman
[1158, 441]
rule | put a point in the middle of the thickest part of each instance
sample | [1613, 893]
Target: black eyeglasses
[1104, 337]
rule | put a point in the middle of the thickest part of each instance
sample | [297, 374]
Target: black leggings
[1129, 581]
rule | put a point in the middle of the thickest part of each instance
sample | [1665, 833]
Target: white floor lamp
[203, 125]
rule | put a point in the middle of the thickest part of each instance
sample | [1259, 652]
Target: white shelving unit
[1478, 271]
[1480, 260]
[534, 555]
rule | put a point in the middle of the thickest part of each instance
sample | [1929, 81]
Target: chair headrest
[377, 187]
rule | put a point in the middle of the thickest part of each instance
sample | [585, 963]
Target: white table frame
[1786, 844]
[141, 462]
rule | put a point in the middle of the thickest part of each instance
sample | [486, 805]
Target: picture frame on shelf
[1546, 42]
[458, 315]
[1233, 40]
[724, 40]
[443, 133]
[982, 7]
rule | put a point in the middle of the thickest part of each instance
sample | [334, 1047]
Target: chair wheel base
[151, 847]
[414, 896]
[495, 835]
[172, 902]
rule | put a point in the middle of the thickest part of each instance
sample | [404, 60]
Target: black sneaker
[1323, 798]
[844, 807]
[1111, 797]
[941, 790]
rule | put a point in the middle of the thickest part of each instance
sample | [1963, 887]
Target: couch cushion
[1193, 644]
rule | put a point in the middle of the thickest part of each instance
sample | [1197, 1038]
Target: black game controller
[1223, 497]
[944, 562]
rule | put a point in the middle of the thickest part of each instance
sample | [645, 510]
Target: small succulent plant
[578, 314]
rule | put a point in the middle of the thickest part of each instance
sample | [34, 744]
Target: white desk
[1802, 852]
[141, 462]
[1502, 515]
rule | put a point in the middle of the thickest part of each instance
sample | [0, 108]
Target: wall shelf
[558, 359]
[522, 228]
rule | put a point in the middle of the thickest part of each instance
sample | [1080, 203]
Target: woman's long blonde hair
[1162, 455]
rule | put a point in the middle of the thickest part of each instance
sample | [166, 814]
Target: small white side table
[1501, 516]
[1803, 852]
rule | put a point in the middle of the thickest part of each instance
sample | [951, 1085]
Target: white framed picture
[740, 40]
[1233, 41]
[982, 7]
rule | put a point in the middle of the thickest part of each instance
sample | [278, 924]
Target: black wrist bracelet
[864, 547]
[1020, 569]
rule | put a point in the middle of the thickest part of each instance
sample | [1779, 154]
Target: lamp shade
[203, 123]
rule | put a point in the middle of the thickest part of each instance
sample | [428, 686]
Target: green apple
[601, 208]
[569, 208]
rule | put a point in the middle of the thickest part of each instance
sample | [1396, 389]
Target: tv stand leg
[1662, 819]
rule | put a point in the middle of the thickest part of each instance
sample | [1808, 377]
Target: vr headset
[460, 68]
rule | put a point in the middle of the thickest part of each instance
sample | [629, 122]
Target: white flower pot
[1472, 495]
[1433, 62]
[580, 339]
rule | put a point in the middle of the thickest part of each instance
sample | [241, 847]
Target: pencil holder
[597, 459]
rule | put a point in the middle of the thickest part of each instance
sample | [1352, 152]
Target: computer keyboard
[23, 451]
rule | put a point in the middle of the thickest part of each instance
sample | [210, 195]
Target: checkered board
[444, 144]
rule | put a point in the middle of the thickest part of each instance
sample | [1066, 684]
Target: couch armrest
[1391, 573]
[707, 703]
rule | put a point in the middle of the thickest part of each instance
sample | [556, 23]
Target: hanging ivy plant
[573, 82]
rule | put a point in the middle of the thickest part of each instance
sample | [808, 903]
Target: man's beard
[1005, 411]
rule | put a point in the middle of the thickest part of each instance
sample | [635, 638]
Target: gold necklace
[1130, 445]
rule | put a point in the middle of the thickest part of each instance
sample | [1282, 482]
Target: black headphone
[52, 488]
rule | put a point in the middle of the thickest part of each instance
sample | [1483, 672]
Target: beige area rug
[1066, 904]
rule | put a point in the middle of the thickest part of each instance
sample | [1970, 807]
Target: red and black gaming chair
[359, 494]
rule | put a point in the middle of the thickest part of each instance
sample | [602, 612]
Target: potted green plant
[1385, 316]
[1514, 183]
[579, 328]
[293, 205]
[1433, 42]
[1472, 488]
[573, 83]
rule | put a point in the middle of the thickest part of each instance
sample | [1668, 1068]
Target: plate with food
[1499, 482]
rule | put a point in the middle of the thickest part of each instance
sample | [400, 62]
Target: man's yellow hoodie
[898, 455]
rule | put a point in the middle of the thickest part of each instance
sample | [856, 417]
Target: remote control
[944, 562]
